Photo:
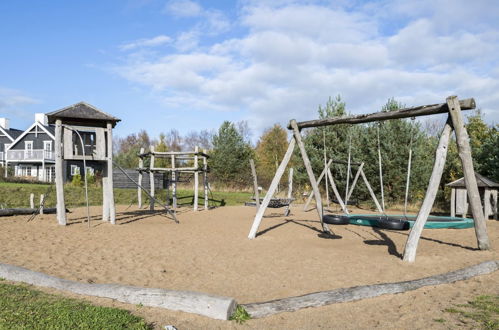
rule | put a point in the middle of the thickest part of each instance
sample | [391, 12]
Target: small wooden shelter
[92, 127]
[459, 199]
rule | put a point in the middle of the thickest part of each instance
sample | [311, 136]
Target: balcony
[36, 155]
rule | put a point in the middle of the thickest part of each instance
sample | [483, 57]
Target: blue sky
[188, 65]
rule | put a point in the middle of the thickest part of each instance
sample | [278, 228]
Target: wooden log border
[216, 307]
[258, 310]
[221, 308]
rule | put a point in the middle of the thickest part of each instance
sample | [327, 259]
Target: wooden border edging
[216, 307]
[257, 310]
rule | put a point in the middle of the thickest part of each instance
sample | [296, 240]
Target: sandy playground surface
[209, 252]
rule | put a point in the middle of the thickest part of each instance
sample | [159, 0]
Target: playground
[208, 252]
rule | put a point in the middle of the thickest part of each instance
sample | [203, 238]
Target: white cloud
[12, 103]
[152, 42]
[291, 57]
[184, 8]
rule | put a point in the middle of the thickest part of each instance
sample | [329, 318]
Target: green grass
[240, 315]
[484, 310]
[17, 195]
[24, 308]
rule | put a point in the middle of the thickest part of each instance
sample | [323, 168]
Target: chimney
[4, 123]
[41, 118]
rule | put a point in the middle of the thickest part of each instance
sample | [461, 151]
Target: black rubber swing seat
[335, 219]
[393, 223]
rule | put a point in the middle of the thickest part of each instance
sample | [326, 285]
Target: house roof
[11, 132]
[81, 113]
[480, 180]
[49, 129]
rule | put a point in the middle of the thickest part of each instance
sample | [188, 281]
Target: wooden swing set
[454, 122]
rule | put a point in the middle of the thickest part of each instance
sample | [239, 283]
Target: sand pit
[209, 252]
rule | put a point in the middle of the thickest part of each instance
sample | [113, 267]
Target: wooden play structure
[459, 201]
[455, 123]
[181, 162]
[74, 124]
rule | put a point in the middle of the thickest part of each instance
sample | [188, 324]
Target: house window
[75, 169]
[88, 143]
[47, 149]
[90, 170]
[28, 148]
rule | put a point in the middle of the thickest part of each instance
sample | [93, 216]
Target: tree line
[230, 150]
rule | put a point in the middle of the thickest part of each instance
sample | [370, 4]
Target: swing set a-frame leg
[272, 189]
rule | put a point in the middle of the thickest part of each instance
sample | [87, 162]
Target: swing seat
[393, 223]
[335, 219]
[276, 203]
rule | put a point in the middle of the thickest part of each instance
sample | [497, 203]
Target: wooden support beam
[139, 191]
[110, 190]
[290, 191]
[310, 172]
[487, 209]
[464, 150]
[151, 181]
[205, 179]
[494, 204]
[42, 203]
[272, 189]
[336, 192]
[453, 202]
[255, 184]
[371, 192]
[354, 183]
[196, 179]
[32, 200]
[174, 182]
[310, 196]
[59, 179]
[411, 245]
[423, 110]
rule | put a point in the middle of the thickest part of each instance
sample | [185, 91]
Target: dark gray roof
[480, 180]
[14, 133]
[50, 128]
[81, 112]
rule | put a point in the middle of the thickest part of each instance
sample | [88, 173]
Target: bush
[76, 180]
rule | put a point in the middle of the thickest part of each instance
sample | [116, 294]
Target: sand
[209, 252]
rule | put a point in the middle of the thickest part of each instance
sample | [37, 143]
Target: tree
[161, 146]
[202, 139]
[229, 161]
[269, 152]
[127, 149]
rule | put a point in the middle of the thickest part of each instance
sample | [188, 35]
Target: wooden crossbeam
[423, 110]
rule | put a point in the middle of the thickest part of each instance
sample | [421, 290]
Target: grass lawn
[17, 195]
[21, 307]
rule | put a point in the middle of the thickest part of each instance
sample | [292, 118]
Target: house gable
[37, 133]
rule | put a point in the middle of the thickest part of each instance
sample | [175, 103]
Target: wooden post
[494, 203]
[486, 203]
[381, 175]
[110, 190]
[105, 194]
[139, 191]
[272, 189]
[174, 182]
[255, 184]
[371, 192]
[464, 150]
[196, 178]
[205, 180]
[310, 172]
[32, 200]
[151, 180]
[453, 202]
[59, 180]
[309, 199]
[411, 245]
[336, 192]
[42, 203]
[290, 191]
[354, 183]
